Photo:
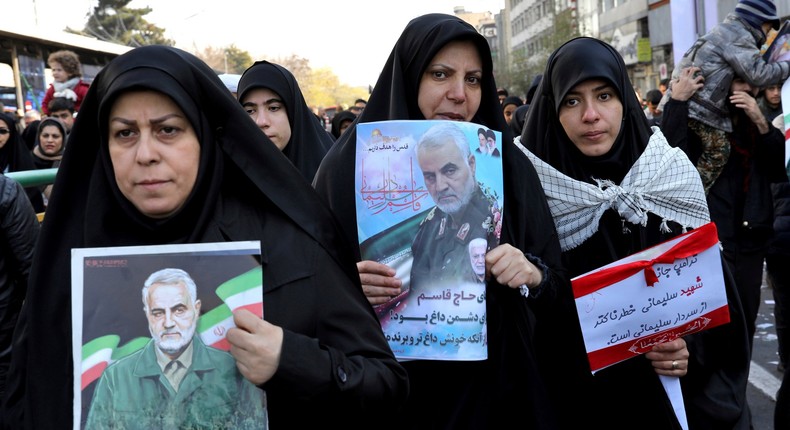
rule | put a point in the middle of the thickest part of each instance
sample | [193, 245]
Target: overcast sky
[352, 37]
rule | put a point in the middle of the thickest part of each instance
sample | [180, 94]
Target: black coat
[18, 235]
[740, 200]
[780, 245]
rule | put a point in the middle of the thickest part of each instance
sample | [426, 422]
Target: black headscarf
[395, 97]
[512, 100]
[507, 386]
[544, 135]
[15, 157]
[309, 141]
[46, 161]
[532, 88]
[517, 122]
[237, 164]
[337, 121]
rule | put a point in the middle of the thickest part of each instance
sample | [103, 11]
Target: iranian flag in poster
[99, 353]
[244, 292]
[241, 292]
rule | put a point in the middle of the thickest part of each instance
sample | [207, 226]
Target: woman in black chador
[161, 153]
[441, 68]
[616, 187]
[307, 142]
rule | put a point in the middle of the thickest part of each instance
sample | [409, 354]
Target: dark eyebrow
[267, 102]
[595, 90]
[448, 166]
[445, 66]
[153, 121]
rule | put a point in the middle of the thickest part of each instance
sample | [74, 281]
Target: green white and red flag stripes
[244, 292]
[102, 351]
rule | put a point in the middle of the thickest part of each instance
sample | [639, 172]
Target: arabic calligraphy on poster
[442, 323]
[441, 311]
[627, 318]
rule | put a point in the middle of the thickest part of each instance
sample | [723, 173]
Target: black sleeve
[674, 124]
[20, 228]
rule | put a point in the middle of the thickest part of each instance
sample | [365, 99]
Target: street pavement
[764, 379]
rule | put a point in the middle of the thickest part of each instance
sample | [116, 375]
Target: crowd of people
[158, 151]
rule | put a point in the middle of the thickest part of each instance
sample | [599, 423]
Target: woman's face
[508, 111]
[154, 151]
[450, 85]
[591, 114]
[267, 109]
[344, 125]
[58, 74]
[50, 140]
[5, 133]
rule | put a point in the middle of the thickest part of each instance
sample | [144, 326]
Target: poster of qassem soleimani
[428, 202]
[149, 326]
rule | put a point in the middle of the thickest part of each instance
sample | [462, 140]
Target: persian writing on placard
[428, 202]
[655, 296]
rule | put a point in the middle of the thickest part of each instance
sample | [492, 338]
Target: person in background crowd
[653, 114]
[441, 69]
[62, 109]
[509, 106]
[159, 115]
[341, 121]
[502, 93]
[231, 82]
[771, 101]
[358, 107]
[585, 127]
[67, 72]
[663, 86]
[30, 116]
[49, 147]
[531, 91]
[272, 98]
[30, 134]
[520, 114]
[15, 157]
[740, 199]
[741, 205]
[50, 143]
[20, 229]
[729, 51]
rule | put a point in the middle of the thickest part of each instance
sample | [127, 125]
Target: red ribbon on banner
[697, 240]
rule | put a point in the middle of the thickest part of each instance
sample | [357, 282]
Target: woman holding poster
[441, 69]
[615, 187]
[163, 154]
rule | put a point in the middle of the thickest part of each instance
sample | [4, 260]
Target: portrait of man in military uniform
[175, 380]
[463, 212]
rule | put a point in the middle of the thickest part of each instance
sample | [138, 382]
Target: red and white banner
[654, 296]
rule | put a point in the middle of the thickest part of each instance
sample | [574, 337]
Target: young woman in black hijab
[588, 138]
[325, 359]
[15, 157]
[505, 388]
[308, 141]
